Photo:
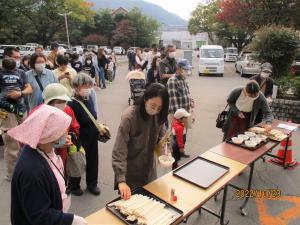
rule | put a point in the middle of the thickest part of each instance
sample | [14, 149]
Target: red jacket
[178, 130]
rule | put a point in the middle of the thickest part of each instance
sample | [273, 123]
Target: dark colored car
[295, 68]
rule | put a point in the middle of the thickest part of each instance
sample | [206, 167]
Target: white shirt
[244, 103]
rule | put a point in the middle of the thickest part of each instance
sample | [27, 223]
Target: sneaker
[95, 190]
[183, 155]
[103, 87]
[8, 178]
[76, 192]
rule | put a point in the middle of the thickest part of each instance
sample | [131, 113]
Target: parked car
[77, 49]
[106, 49]
[118, 50]
[211, 60]
[33, 44]
[295, 68]
[246, 65]
[2, 47]
[26, 50]
[230, 54]
[132, 49]
[92, 47]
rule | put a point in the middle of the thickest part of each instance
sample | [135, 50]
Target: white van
[231, 54]
[211, 60]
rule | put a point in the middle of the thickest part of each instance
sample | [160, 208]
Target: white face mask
[60, 106]
[39, 67]
[150, 110]
[264, 74]
[88, 61]
[172, 55]
[18, 63]
[85, 92]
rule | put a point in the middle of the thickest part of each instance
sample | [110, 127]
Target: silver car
[246, 65]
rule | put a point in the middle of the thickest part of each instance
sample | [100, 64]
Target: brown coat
[133, 153]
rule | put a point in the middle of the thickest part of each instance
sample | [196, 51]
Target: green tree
[203, 19]
[277, 45]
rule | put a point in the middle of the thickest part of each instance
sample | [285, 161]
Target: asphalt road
[210, 96]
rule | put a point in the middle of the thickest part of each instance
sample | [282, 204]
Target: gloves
[77, 220]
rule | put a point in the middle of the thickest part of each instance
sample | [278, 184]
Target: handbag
[166, 138]
[104, 132]
[221, 118]
[76, 163]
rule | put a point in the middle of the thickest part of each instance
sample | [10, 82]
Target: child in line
[179, 126]
[76, 63]
[88, 67]
[10, 80]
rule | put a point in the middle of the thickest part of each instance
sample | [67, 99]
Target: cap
[55, 91]
[266, 67]
[184, 63]
[180, 113]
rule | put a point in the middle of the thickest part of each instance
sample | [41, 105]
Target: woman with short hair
[244, 105]
[38, 77]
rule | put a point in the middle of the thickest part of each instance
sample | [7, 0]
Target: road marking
[282, 218]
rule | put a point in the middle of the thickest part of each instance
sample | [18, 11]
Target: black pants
[90, 145]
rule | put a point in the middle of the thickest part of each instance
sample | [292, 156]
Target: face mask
[264, 74]
[88, 61]
[60, 106]
[172, 55]
[85, 92]
[151, 111]
[39, 67]
[60, 142]
[18, 63]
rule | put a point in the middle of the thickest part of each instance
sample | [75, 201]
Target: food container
[250, 144]
[237, 140]
[256, 139]
[250, 134]
[262, 137]
[166, 160]
[243, 136]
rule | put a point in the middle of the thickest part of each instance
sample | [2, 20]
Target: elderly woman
[88, 133]
[38, 77]
[38, 191]
[139, 131]
[244, 105]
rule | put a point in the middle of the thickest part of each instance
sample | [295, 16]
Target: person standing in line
[179, 93]
[167, 67]
[265, 83]
[102, 65]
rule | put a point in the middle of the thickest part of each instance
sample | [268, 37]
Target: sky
[182, 8]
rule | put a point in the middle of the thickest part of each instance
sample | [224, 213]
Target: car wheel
[236, 69]
[221, 75]
[200, 74]
[242, 73]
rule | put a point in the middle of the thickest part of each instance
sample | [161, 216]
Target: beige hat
[55, 91]
[180, 113]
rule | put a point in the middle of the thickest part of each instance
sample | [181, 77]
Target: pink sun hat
[46, 124]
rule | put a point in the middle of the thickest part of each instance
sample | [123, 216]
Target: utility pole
[66, 22]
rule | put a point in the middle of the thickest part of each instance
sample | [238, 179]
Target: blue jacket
[35, 194]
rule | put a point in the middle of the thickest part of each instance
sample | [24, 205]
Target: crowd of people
[48, 107]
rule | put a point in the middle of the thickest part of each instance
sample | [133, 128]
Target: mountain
[160, 14]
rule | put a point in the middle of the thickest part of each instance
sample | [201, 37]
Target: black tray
[246, 147]
[142, 191]
[201, 172]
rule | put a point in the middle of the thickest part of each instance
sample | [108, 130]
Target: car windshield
[212, 53]
[231, 50]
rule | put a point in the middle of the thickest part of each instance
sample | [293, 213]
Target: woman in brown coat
[140, 129]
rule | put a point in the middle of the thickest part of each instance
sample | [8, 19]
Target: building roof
[119, 10]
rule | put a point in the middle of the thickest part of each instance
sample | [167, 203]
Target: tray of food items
[275, 135]
[249, 140]
[144, 208]
[201, 172]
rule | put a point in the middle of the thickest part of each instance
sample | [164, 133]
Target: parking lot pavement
[210, 95]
